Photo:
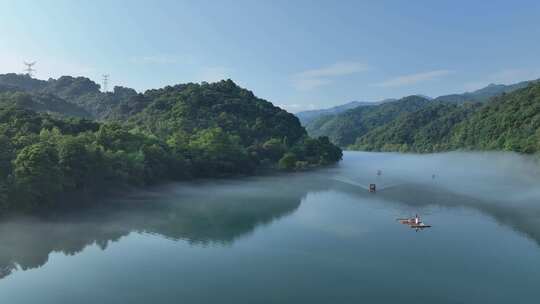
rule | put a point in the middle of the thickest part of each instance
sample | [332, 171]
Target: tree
[274, 149]
[38, 177]
[6, 155]
[75, 162]
[287, 162]
[3, 196]
[156, 163]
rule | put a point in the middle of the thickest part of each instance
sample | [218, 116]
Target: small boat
[414, 223]
[372, 188]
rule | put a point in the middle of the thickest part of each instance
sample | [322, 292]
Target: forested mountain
[509, 122]
[192, 107]
[42, 102]
[78, 91]
[178, 132]
[308, 116]
[426, 130]
[403, 126]
[480, 95]
[343, 129]
[22, 82]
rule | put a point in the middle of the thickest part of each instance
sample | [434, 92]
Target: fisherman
[417, 220]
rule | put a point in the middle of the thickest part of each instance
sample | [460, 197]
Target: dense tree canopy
[343, 129]
[508, 122]
[67, 95]
[42, 102]
[426, 130]
[174, 133]
[418, 124]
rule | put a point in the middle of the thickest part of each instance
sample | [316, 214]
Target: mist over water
[503, 185]
[493, 176]
[311, 237]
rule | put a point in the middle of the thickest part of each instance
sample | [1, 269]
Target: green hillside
[426, 130]
[509, 122]
[77, 91]
[42, 102]
[175, 133]
[343, 129]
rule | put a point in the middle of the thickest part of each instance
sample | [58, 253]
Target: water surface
[314, 237]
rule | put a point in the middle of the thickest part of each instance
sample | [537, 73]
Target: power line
[29, 70]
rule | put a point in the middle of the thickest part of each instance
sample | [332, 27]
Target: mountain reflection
[209, 213]
[217, 213]
[504, 186]
[523, 217]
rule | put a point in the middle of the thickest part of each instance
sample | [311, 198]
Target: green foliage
[37, 175]
[273, 149]
[19, 82]
[343, 129]
[318, 151]
[76, 162]
[180, 132]
[40, 102]
[426, 130]
[66, 96]
[508, 122]
[214, 151]
[288, 162]
[6, 155]
[194, 107]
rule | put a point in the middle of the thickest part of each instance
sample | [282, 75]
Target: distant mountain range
[308, 116]
[509, 122]
[345, 127]
[497, 117]
[479, 95]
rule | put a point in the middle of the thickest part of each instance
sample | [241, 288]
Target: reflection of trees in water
[26, 242]
[201, 215]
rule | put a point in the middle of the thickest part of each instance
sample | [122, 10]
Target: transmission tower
[105, 82]
[29, 70]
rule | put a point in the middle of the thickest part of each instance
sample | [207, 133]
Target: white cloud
[314, 78]
[413, 78]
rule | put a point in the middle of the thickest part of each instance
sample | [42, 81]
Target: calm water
[316, 237]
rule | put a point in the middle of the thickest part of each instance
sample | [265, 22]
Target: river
[309, 237]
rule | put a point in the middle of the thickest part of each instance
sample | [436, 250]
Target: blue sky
[297, 54]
